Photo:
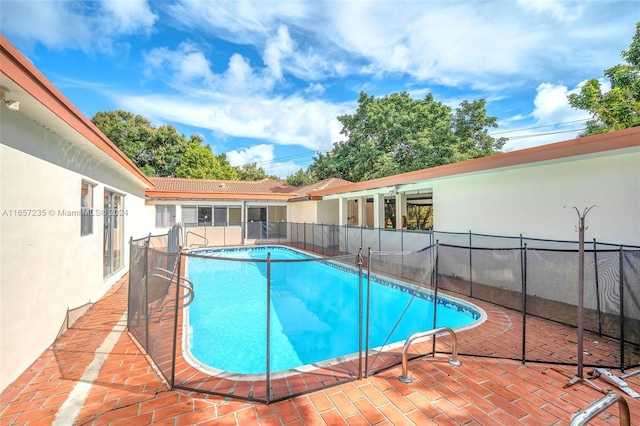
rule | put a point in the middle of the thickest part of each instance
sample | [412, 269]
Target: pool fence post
[580, 376]
[346, 238]
[268, 375]
[621, 275]
[175, 319]
[131, 262]
[333, 239]
[368, 316]
[595, 271]
[470, 266]
[435, 296]
[360, 314]
[523, 282]
[322, 238]
[146, 293]
[304, 234]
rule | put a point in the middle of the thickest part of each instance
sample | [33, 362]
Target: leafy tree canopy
[619, 108]
[198, 162]
[162, 151]
[299, 178]
[252, 172]
[397, 134]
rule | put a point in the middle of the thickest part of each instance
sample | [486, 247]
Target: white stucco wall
[303, 212]
[328, 212]
[530, 200]
[46, 265]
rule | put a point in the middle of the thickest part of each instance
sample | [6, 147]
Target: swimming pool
[314, 310]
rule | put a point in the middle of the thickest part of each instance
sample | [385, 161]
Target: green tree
[471, 127]
[299, 178]
[198, 162]
[131, 133]
[156, 151]
[162, 151]
[167, 148]
[619, 108]
[397, 134]
[252, 172]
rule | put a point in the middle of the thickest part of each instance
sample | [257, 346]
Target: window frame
[168, 212]
[86, 211]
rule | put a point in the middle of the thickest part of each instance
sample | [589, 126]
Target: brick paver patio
[127, 391]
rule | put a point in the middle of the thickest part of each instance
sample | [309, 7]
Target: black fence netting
[259, 327]
[266, 320]
[153, 292]
[137, 308]
[542, 284]
[399, 302]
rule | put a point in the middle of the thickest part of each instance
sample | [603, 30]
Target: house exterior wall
[47, 266]
[530, 199]
[304, 211]
[328, 212]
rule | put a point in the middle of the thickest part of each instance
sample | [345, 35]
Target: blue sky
[263, 81]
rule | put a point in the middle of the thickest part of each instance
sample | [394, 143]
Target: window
[235, 215]
[220, 216]
[190, 215]
[204, 216]
[86, 209]
[165, 215]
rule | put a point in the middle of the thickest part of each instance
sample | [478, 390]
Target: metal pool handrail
[582, 417]
[404, 377]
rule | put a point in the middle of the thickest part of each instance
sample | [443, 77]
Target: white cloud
[186, 64]
[236, 101]
[262, 153]
[285, 121]
[554, 119]
[315, 88]
[93, 26]
[278, 48]
[476, 44]
[130, 16]
[552, 106]
[562, 11]
[263, 156]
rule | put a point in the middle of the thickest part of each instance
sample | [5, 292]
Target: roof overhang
[42, 102]
[561, 151]
[153, 194]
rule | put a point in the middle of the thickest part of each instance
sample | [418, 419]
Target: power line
[289, 157]
[281, 159]
[539, 127]
[267, 163]
[544, 134]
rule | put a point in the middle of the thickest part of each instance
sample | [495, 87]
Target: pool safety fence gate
[527, 287]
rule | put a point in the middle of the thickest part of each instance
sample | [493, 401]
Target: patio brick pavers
[127, 391]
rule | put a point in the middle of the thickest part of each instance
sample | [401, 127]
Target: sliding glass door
[113, 232]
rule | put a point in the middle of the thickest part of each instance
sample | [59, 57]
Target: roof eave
[21, 71]
[153, 194]
[611, 141]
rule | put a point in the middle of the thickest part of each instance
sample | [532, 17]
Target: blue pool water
[314, 311]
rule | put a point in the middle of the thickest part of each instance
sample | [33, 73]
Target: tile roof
[233, 189]
[226, 186]
[323, 184]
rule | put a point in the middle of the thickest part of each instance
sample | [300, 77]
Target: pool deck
[95, 374]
